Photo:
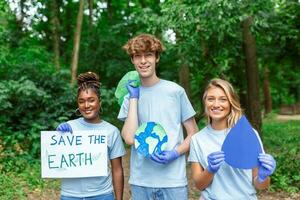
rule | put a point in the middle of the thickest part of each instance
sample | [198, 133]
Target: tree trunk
[143, 3]
[90, 14]
[67, 20]
[184, 78]
[22, 11]
[55, 32]
[253, 110]
[110, 11]
[75, 53]
[267, 94]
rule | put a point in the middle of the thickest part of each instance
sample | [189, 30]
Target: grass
[18, 184]
[282, 140]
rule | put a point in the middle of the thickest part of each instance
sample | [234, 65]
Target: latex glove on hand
[267, 166]
[215, 161]
[165, 157]
[134, 92]
[64, 127]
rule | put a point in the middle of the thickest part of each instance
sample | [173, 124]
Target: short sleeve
[193, 154]
[187, 110]
[124, 109]
[196, 152]
[116, 145]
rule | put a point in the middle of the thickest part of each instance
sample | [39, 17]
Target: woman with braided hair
[103, 187]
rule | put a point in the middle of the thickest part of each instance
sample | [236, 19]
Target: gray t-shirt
[228, 183]
[92, 186]
[165, 103]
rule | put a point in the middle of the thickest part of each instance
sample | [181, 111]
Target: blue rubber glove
[267, 166]
[64, 127]
[134, 92]
[165, 157]
[215, 161]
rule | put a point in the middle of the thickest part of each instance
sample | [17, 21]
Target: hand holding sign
[267, 166]
[215, 161]
[64, 127]
[81, 154]
[242, 146]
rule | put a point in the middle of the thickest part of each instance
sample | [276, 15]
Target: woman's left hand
[267, 166]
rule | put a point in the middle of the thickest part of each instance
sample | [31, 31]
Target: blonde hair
[143, 43]
[235, 106]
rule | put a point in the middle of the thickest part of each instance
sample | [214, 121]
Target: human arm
[261, 175]
[131, 122]
[259, 185]
[166, 157]
[191, 128]
[201, 177]
[117, 177]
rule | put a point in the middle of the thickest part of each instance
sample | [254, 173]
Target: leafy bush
[26, 110]
[17, 184]
[282, 140]
[34, 96]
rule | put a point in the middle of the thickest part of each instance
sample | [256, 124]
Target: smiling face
[145, 64]
[89, 105]
[217, 106]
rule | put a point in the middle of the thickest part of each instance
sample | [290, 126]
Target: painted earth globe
[150, 137]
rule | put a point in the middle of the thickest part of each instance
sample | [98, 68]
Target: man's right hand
[134, 92]
[64, 127]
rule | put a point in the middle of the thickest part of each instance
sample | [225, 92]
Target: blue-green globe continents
[150, 137]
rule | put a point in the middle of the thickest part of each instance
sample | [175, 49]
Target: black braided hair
[88, 80]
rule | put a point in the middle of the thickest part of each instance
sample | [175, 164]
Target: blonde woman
[215, 178]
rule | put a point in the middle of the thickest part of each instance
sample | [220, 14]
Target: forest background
[45, 44]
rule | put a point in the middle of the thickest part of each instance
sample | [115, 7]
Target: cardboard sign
[242, 145]
[66, 155]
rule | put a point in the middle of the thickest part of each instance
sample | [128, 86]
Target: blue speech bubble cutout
[242, 146]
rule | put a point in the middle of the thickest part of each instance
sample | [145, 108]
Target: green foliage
[34, 96]
[281, 139]
[19, 182]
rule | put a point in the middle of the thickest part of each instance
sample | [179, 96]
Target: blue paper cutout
[242, 146]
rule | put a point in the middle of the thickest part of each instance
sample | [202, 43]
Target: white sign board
[66, 155]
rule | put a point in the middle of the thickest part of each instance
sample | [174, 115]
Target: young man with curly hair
[163, 176]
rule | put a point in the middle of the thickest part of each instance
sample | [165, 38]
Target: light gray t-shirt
[92, 186]
[228, 183]
[165, 103]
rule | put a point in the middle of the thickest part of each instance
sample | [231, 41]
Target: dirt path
[288, 117]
